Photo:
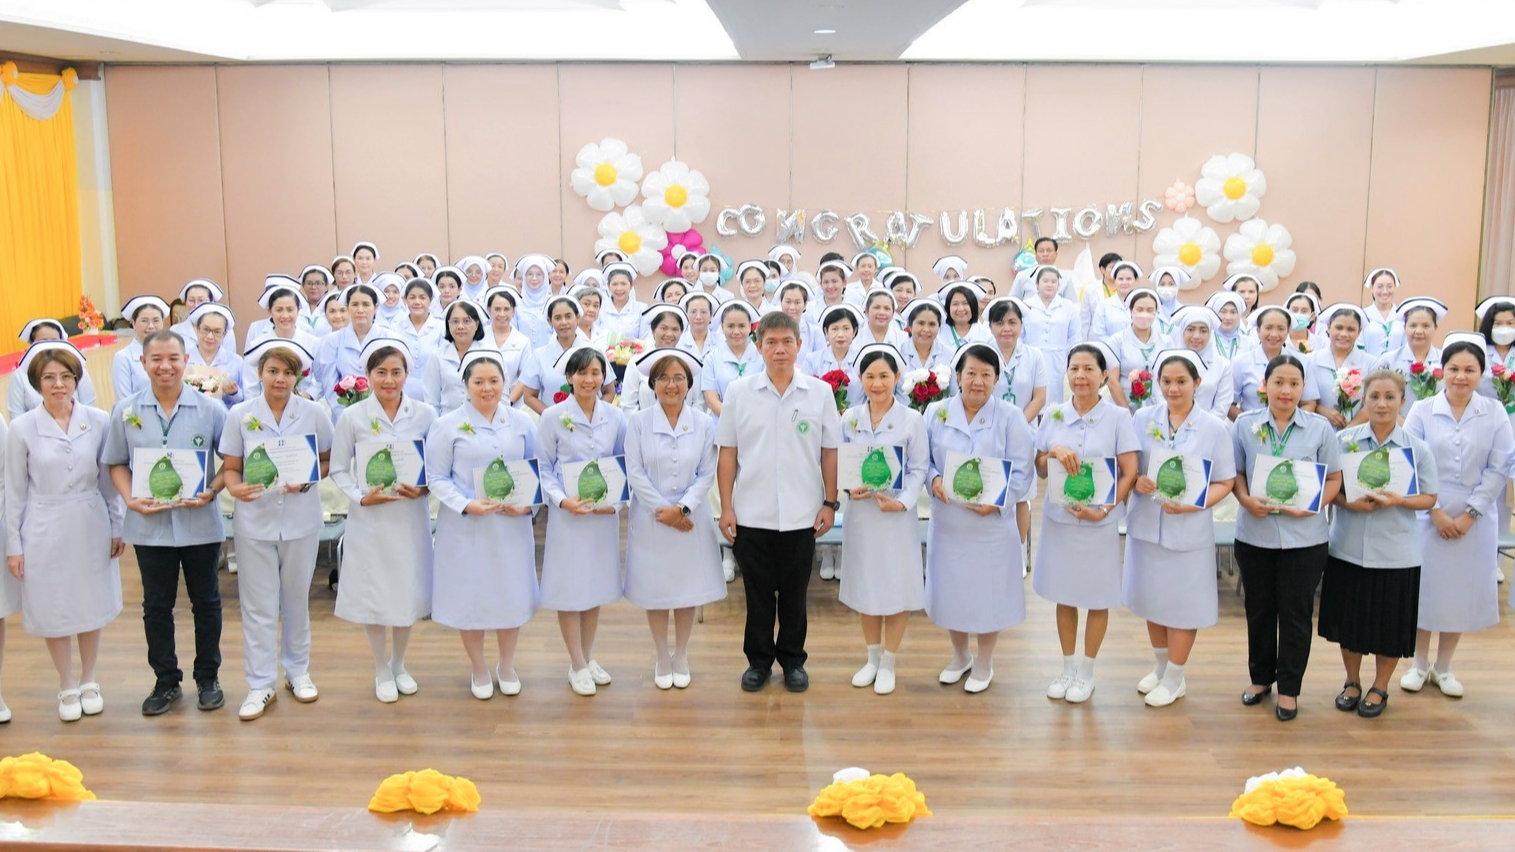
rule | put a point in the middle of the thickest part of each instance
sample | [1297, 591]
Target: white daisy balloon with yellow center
[1190, 245]
[607, 174]
[1230, 188]
[1262, 251]
[675, 197]
[638, 240]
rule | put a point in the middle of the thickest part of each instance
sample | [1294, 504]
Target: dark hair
[32, 338]
[460, 304]
[580, 360]
[191, 288]
[491, 360]
[1264, 310]
[795, 285]
[415, 271]
[967, 297]
[439, 275]
[145, 306]
[1099, 355]
[1131, 305]
[1486, 327]
[662, 315]
[1426, 308]
[981, 353]
[1039, 240]
[836, 316]
[418, 284]
[673, 282]
[324, 281]
[688, 257]
[661, 366]
[864, 362]
[558, 261]
[777, 321]
[1109, 258]
[1471, 348]
[618, 271]
[1179, 359]
[361, 288]
[281, 353]
[774, 266]
[502, 292]
[338, 262]
[832, 255]
[998, 310]
[366, 248]
[1284, 359]
[48, 356]
[868, 302]
[1330, 318]
[382, 353]
[1309, 286]
[162, 335]
[926, 305]
[284, 293]
[734, 306]
[1384, 374]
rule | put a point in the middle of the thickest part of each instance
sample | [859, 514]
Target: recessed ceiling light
[825, 32]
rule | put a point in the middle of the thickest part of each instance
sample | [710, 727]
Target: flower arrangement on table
[91, 321]
[923, 387]
[1348, 391]
[206, 380]
[838, 381]
[1424, 379]
[1504, 386]
[1141, 386]
[351, 390]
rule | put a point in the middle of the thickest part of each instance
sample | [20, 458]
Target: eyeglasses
[57, 378]
[672, 379]
[460, 321]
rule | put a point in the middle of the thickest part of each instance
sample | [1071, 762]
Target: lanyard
[1230, 353]
[1278, 442]
[170, 423]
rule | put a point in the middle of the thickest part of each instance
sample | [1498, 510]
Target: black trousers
[1279, 586]
[160, 567]
[776, 575]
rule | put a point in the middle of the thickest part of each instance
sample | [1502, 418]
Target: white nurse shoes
[975, 685]
[5, 712]
[1413, 679]
[255, 703]
[950, 675]
[581, 681]
[1448, 682]
[728, 564]
[601, 677]
[484, 691]
[1160, 696]
[508, 687]
[303, 688]
[68, 705]
[1080, 689]
[883, 684]
[385, 690]
[1059, 687]
[1148, 683]
[405, 683]
[828, 565]
[90, 699]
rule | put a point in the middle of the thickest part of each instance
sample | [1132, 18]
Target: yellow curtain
[39, 209]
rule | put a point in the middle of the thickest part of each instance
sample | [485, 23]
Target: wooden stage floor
[713, 750]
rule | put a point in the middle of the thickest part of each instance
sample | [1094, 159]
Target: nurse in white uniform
[20, 396]
[960, 300]
[531, 270]
[926, 350]
[1111, 316]
[421, 331]
[1231, 336]
[700, 338]
[486, 567]
[63, 525]
[879, 309]
[1471, 438]
[363, 256]
[793, 298]
[581, 560]
[666, 325]
[277, 527]
[737, 356]
[1052, 325]
[839, 325]
[341, 352]
[1194, 329]
[203, 291]
[1419, 359]
[1170, 545]
[147, 315]
[1249, 369]
[386, 553]
[502, 304]
[284, 305]
[212, 324]
[462, 332]
[1136, 348]
[1078, 562]
[1022, 382]
[1343, 324]
[882, 576]
[967, 593]
[1384, 330]
[672, 562]
[620, 312]
[543, 382]
[315, 281]
[391, 310]
[1303, 308]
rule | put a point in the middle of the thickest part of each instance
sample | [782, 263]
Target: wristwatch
[1474, 513]
[833, 505]
[684, 510]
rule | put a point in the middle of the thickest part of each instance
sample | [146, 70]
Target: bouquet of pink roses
[1348, 391]
[351, 389]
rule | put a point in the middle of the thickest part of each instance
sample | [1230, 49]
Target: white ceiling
[1473, 32]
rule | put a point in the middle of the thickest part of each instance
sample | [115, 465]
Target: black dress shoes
[1286, 715]
[795, 679]
[1347, 703]
[1373, 711]
[754, 679]
[1252, 699]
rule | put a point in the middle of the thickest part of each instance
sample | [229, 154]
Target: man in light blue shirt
[169, 537]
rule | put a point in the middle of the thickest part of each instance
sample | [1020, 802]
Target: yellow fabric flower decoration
[870, 802]
[37, 776]
[427, 792]
[1292, 797]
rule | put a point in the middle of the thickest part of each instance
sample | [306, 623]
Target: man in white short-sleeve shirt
[778, 436]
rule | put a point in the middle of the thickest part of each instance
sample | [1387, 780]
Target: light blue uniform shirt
[1019, 378]
[1312, 440]
[1106, 430]
[1321, 365]
[1203, 435]
[337, 359]
[1473, 455]
[1381, 336]
[127, 376]
[999, 430]
[1247, 373]
[1383, 538]
[725, 367]
[277, 515]
[196, 424]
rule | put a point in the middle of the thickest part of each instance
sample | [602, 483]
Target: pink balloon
[690, 240]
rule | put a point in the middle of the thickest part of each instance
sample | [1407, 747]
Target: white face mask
[709, 279]
[1167, 294]
[1503, 335]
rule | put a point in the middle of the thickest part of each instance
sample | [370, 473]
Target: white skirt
[881, 563]
[668, 569]
[1174, 588]
[386, 564]
[581, 561]
[1078, 565]
[71, 584]
[973, 570]
[486, 572]
[1459, 580]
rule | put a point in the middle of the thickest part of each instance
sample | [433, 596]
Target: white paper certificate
[280, 461]
[602, 481]
[1093, 486]
[168, 475]
[1385, 469]
[385, 464]
[880, 467]
[972, 480]
[513, 483]
[1287, 483]
[1180, 479]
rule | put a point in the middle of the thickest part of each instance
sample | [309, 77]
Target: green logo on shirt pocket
[803, 426]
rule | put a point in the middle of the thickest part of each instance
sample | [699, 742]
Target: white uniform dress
[486, 565]
[424, 343]
[277, 537]
[1078, 562]
[386, 551]
[881, 564]
[1170, 559]
[1458, 578]
[61, 514]
[974, 563]
[126, 374]
[515, 348]
[1133, 354]
[1217, 387]
[671, 465]
[252, 384]
[442, 387]
[1382, 334]
[581, 560]
[1053, 329]
[10, 587]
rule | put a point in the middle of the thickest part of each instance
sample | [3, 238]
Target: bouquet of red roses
[838, 381]
[351, 389]
[1141, 386]
[1424, 379]
[923, 387]
[1504, 386]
